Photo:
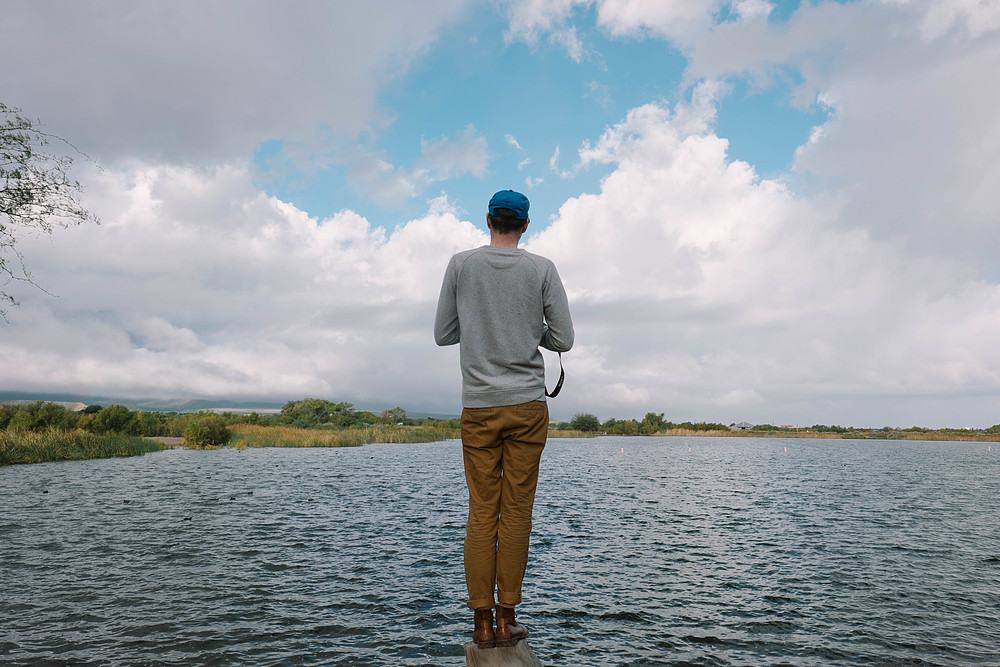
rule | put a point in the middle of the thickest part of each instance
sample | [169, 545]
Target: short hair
[504, 222]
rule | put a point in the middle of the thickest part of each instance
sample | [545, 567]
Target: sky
[773, 212]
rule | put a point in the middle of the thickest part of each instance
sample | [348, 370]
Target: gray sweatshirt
[502, 304]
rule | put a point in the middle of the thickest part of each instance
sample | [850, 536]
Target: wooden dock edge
[518, 655]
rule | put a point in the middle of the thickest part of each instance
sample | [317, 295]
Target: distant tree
[36, 193]
[311, 412]
[252, 418]
[584, 421]
[766, 427]
[92, 409]
[149, 423]
[115, 419]
[626, 427]
[652, 422]
[207, 430]
[365, 417]
[396, 415]
[7, 412]
[40, 416]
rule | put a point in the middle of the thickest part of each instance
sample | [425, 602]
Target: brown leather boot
[509, 631]
[483, 632]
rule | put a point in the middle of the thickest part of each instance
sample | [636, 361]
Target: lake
[645, 551]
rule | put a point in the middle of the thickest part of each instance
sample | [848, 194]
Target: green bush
[584, 421]
[115, 419]
[37, 416]
[207, 430]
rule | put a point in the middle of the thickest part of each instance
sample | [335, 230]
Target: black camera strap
[562, 376]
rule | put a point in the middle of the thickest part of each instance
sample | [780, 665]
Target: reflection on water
[646, 551]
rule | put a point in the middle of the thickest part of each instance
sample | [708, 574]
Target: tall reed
[58, 445]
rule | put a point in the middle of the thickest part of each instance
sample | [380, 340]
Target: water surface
[646, 551]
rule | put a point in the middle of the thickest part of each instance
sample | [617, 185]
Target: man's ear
[488, 225]
[525, 228]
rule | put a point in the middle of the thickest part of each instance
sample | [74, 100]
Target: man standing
[501, 303]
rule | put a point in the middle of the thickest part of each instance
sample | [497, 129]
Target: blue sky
[762, 211]
[538, 95]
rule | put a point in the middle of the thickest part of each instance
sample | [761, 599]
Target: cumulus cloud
[197, 284]
[913, 132]
[695, 283]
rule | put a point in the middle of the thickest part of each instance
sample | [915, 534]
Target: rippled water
[646, 551]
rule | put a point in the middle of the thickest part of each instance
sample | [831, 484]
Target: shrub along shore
[39, 431]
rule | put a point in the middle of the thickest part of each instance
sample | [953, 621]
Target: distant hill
[145, 404]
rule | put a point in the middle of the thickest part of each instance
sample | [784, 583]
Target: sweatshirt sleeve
[558, 335]
[446, 330]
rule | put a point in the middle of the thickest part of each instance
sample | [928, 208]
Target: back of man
[501, 303]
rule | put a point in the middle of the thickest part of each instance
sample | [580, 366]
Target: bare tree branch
[36, 193]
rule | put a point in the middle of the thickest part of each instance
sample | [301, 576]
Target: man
[501, 303]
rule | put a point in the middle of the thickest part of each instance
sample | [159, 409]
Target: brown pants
[501, 447]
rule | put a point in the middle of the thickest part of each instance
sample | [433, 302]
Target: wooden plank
[518, 655]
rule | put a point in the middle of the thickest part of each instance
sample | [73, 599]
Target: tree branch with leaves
[37, 194]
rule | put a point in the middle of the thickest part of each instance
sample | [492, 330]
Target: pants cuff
[509, 598]
[481, 603]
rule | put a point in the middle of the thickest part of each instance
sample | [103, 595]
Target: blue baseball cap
[509, 199]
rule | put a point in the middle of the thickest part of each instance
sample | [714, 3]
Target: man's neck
[504, 240]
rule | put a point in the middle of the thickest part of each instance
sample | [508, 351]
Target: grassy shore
[28, 447]
[248, 435]
[955, 435]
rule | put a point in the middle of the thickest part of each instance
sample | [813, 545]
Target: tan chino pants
[501, 449]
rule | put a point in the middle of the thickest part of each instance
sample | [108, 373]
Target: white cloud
[698, 286]
[570, 41]
[529, 18]
[912, 139]
[371, 173]
[599, 92]
[975, 16]
[189, 83]
[511, 141]
[197, 284]
[673, 19]
[680, 21]
[751, 9]
[443, 158]
[554, 165]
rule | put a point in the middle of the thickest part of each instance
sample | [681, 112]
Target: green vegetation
[654, 424]
[208, 430]
[54, 445]
[651, 424]
[41, 431]
[253, 435]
